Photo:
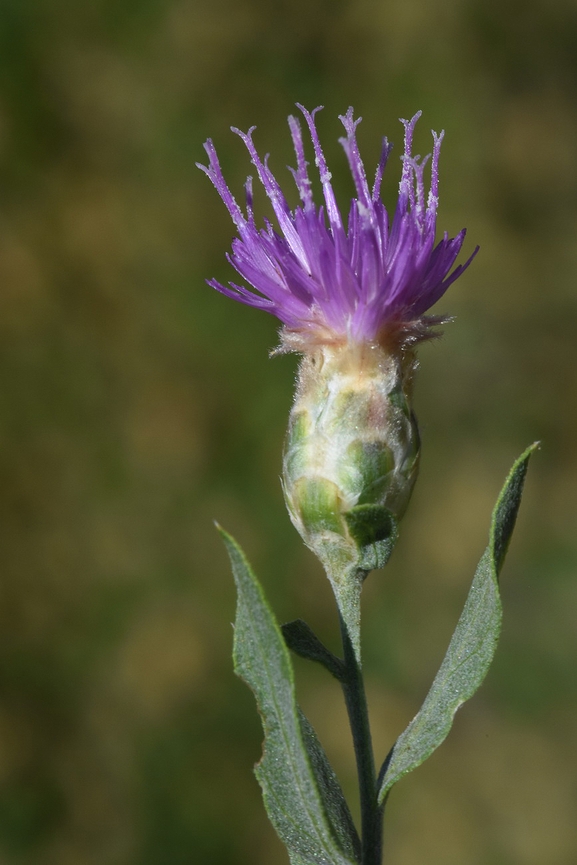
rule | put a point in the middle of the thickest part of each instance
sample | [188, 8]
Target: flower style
[327, 283]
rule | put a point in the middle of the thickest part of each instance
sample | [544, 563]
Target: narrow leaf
[304, 642]
[290, 791]
[295, 859]
[330, 791]
[472, 646]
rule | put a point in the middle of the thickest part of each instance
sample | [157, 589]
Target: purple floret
[323, 280]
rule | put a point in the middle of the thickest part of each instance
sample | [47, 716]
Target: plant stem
[356, 701]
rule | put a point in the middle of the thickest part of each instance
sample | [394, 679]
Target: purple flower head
[327, 282]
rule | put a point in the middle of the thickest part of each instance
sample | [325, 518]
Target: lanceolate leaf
[302, 807]
[472, 646]
[330, 791]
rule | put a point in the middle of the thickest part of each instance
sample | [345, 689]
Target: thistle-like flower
[352, 300]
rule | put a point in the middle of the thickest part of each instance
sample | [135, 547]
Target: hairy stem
[356, 701]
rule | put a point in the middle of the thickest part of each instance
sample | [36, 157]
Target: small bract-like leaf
[303, 810]
[472, 646]
[303, 641]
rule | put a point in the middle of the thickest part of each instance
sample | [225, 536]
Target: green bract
[351, 458]
[352, 439]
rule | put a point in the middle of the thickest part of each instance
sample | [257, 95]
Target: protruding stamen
[300, 175]
[433, 200]
[324, 173]
[249, 200]
[407, 185]
[409, 131]
[419, 168]
[351, 149]
[214, 173]
[275, 195]
[385, 152]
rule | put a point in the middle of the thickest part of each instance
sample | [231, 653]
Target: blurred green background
[136, 405]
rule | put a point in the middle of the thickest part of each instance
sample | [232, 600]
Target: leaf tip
[222, 532]
[507, 507]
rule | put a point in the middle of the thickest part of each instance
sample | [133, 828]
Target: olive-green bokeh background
[136, 405]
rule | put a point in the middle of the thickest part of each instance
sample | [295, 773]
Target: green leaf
[303, 641]
[297, 804]
[330, 791]
[472, 646]
[296, 859]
